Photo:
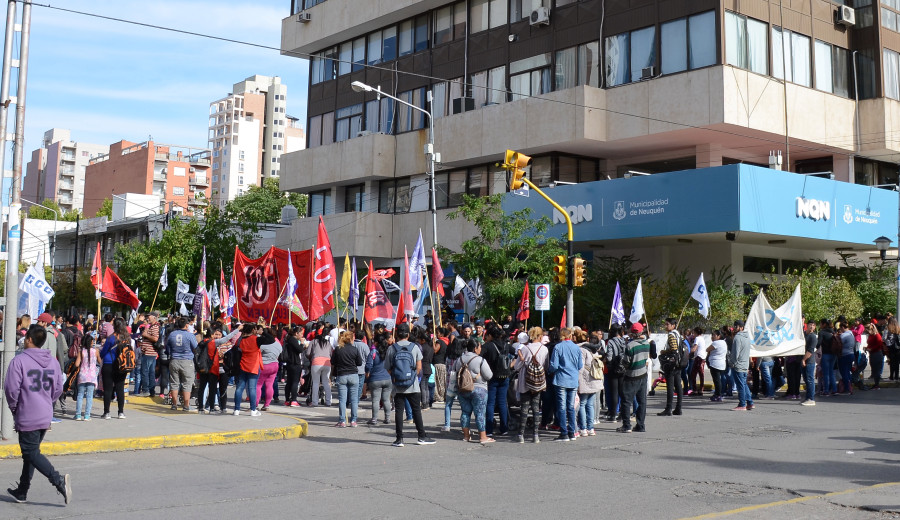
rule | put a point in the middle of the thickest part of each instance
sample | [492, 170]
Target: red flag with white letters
[324, 277]
[524, 305]
[378, 308]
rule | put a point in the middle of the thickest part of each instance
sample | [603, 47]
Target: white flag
[637, 308]
[214, 299]
[417, 265]
[702, 296]
[459, 286]
[164, 279]
[776, 332]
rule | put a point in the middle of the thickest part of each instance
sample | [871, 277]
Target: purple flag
[618, 311]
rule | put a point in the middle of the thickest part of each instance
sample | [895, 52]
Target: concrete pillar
[709, 155]
[843, 168]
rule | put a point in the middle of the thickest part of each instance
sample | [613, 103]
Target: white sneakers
[255, 413]
[237, 412]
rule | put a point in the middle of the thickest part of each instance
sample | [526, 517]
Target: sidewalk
[151, 424]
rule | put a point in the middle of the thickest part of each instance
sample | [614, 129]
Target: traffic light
[509, 159]
[559, 269]
[520, 162]
[578, 272]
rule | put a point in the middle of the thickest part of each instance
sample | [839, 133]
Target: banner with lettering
[259, 282]
[776, 332]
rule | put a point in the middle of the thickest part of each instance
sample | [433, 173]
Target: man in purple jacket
[33, 382]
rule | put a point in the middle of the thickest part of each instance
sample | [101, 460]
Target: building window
[241, 180]
[832, 68]
[891, 74]
[389, 43]
[889, 18]
[487, 14]
[519, 9]
[353, 198]
[405, 38]
[180, 171]
[215, 178]
[178, 191]
[320, 203]
[790, 51]
[449, 23]
[755, 264]
[359, 53]
[321, 130]
[576, 66]
[242, 155]
[530, 77]
[375, 48]
[393, 196]
[688, 43]
[489, 86]
[444, 94]
[408, 118]
[421, 32]
[628, 54]
[746, 43]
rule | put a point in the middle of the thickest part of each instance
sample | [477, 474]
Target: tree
[105, 209]
[263, 204]
[41, 212]
[507, 249]
[593, 303]
[823, 295]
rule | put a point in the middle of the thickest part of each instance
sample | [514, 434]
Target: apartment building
[249, 130]
[599, 91]
[178, 175]
[56, 170]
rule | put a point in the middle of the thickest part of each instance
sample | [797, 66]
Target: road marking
[786, 502]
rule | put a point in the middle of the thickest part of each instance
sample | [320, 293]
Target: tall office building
[249, 131]
[56, 170]
[612, 96]
[178, 175]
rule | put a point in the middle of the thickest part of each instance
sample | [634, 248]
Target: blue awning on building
[733, 198]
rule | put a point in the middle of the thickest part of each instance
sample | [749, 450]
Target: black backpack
[202, 361]
[231, 361]
[684, 353]
[503, 370]
[403, 367]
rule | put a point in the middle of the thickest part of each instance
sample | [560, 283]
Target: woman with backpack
[473, 399]
[379, 380]
[590, 381]
[531, 363]
[345, 360]
[87, 360]
[319, 354]
[113, 378]
[215, 380]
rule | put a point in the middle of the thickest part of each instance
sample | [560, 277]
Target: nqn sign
[579, 213]
[813, 209]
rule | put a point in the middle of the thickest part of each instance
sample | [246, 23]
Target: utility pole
[75, 264]
[14, 237]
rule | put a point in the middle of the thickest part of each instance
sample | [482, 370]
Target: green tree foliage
[105, 209]
[262, 204]
[83, 297]
[43, 213]
[593, 302]
[506, 250]
[823, 295]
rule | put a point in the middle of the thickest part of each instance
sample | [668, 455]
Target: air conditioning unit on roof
[845, 15]
[304, 17]
[540, 16]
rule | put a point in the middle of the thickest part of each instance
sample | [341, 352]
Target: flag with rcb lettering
[324, 276]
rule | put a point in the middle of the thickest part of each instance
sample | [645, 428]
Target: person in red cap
[634, 383]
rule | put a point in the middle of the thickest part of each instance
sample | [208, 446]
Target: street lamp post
[359, 86]
[52, 246]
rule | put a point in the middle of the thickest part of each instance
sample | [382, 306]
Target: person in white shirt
[715, 356]
[698, 351]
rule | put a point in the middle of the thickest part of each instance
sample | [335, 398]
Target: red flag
[97, 270]
[378, 307]
[562, 323]
[437, 274]
[115, 289]
[324, 276]
[405, 306]
[380, 274]
[524, 305]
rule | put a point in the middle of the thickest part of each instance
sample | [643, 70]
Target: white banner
[776, 332]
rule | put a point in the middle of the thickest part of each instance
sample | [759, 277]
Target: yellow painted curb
[164, 441]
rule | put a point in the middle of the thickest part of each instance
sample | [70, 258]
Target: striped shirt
[637, 353]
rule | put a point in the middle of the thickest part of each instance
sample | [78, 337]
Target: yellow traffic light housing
[559, 269]
[578, 272]
[520, 162]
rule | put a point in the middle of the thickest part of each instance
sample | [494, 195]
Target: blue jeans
[765, 372]
[565, 404]
[846, 365]
[449, 397]
[876, 361]
[147, 376]
[248, 381]
[728, 381]
[359, 389]
[496, 397]
[84, 394]
[347, 387]
[475, 401]
[809, 379]
[743, 391]
[586, 411]
[829, 385]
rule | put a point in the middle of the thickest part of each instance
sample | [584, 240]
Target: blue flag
[618, 310]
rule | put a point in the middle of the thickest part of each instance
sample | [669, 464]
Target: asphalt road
[839, 459]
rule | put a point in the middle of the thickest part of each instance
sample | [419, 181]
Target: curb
[296, 431]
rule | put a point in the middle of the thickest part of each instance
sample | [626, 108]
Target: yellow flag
[345, 279]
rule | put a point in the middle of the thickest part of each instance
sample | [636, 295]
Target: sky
[108, 80]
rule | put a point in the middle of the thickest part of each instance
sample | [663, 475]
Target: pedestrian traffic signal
[520, 162]
[559, 269]
[578, 272]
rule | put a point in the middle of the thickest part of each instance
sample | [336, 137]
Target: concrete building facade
[56, 170]
[249, 130]
[178, 175]
[593, 90]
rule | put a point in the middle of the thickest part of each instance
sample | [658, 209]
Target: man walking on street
[809, 364]
[33, 382]
[634, 383]
[741, 351]
[404, 363]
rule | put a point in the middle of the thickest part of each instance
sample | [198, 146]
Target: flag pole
[682, 312]
[431, 297]
[154, 296]
[272, 316]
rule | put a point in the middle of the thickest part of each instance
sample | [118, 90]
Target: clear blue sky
[106, 80]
